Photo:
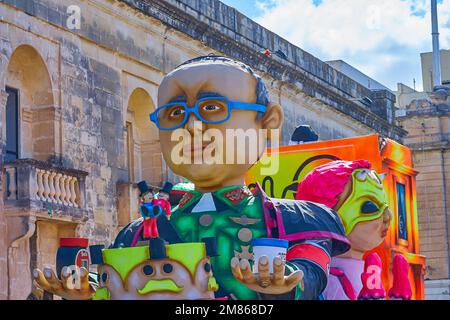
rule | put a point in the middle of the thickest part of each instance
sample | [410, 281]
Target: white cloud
[383, 38]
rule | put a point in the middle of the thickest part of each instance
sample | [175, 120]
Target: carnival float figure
[356, 192]
[215, 94]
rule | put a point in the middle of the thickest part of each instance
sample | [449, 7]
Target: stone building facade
[427, 69]
[74, 105]
[428, 124]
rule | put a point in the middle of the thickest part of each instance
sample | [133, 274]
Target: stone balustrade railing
[28, 179]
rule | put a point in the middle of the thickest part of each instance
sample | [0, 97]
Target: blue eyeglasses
[212, 110]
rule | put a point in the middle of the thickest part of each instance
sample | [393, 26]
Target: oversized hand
[264, 282]
[69, 287]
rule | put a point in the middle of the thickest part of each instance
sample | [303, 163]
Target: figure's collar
[233, 197]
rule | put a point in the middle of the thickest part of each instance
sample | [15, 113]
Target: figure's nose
[387, 216]
[194, 125]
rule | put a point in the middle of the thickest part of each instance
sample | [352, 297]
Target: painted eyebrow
[208, 94]
[178, 99]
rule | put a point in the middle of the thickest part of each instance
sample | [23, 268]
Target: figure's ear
[273, 118]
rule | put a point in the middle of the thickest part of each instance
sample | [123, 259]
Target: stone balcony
[41, 189]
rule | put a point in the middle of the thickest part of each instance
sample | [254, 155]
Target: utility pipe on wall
[436, 53]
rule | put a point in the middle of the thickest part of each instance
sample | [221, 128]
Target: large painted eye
[207, 267]
[177, 111]
[211, 107]
[167, 268]
[147, 270]
[104, 277]
[362, 175]
[369, 207]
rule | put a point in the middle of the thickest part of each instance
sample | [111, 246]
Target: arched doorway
[143, 150]
[30, 113]
[30, 129]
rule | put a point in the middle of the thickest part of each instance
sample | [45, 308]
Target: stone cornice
[430, 146]
[436, 111]
[307, 73]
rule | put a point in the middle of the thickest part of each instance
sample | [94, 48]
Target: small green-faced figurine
[181, 271]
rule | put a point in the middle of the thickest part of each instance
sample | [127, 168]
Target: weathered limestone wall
[432, 225]
[427, 122]
[95, 70]
[47, 240]
[318, 115]
[19, 274]
[3, 230]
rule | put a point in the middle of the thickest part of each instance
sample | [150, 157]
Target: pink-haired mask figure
[356, 192]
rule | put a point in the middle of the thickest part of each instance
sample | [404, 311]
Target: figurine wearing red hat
[152, 206]
[162, 198]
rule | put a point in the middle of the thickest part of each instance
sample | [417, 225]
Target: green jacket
[236, 220]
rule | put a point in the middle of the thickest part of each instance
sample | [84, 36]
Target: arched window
[12, 125]
[30, 107]
[143, 150]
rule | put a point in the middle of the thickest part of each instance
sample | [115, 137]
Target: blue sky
[247, 7]
[382, 38]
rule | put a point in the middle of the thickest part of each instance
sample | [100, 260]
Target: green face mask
[367, 201]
